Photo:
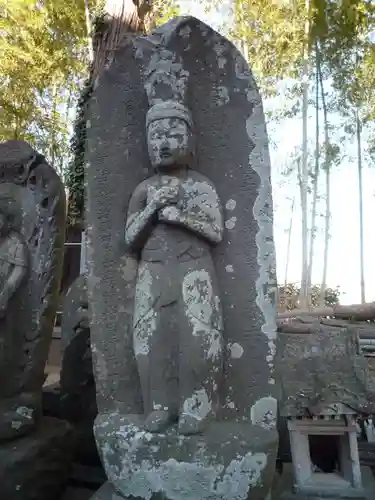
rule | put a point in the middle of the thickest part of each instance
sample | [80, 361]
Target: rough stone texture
[76, 376]
[77, 385]
[33, 194]
[224, 463]
[78, 494]
[235, 159]
[323, 369]
[106, 492]
[36, 467]
[284, 489]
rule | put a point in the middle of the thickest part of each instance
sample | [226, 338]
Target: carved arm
[16, 276]
[138, 225]
[211, 229]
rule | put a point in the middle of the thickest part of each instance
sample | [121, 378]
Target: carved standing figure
[174, 218]
[13, 254]
[32, 224]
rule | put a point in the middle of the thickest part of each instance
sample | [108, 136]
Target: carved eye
[45, 201]
[32, 180]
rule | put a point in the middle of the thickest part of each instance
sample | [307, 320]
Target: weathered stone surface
[106, 492]
[36, 467]
[323, 369]
[77, 385]
[78, 494]
[284, 489]
[231, 179]
[224, 463]
[76, 377]
[32, 213]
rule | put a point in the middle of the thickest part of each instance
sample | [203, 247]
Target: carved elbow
[129, 235]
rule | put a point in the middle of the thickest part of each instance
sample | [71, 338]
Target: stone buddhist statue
[181, 278]
[174, 217]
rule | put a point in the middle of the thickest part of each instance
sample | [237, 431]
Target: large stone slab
[36, 467]
[228, 186]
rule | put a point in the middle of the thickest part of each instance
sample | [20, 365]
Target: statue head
[169, 135]
[9, 216]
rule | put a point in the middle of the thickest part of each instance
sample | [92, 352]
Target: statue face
[169, 142]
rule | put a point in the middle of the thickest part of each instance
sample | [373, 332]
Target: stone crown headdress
[166, 84]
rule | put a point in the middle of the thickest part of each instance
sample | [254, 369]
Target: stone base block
[285, 488]
[36, 467]
[106, 492]
[230, 461]
[73, 493]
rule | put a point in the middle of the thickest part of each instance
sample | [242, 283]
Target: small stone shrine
[326, 385]
[181, 271]
[34, 451]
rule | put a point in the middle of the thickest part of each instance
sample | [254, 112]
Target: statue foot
[18, 415]
[188, 424]
[157, 421]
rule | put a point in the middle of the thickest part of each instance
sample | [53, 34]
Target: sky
[344, 251]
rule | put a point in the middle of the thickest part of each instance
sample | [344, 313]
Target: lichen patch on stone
[198, 405]
[264, 413]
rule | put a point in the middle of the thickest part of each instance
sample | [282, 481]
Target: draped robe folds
[177, 327]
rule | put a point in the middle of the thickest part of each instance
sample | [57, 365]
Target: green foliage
[289, 297]
[272, 36]
[165, 10]
[75, 176]
[42, 54]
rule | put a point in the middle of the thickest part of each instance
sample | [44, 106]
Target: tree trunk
[90, 46]
[327, 169]
[304, 167]
[53, 139]
[360, 192]
[121, 18]
[316, 171]
[289, 242]
[354, 312]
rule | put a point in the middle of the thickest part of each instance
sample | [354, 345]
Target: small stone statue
[173, 219]
[13, 271]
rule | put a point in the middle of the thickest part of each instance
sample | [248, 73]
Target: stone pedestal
[224, 463]
[285, 488]
[36, 466]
